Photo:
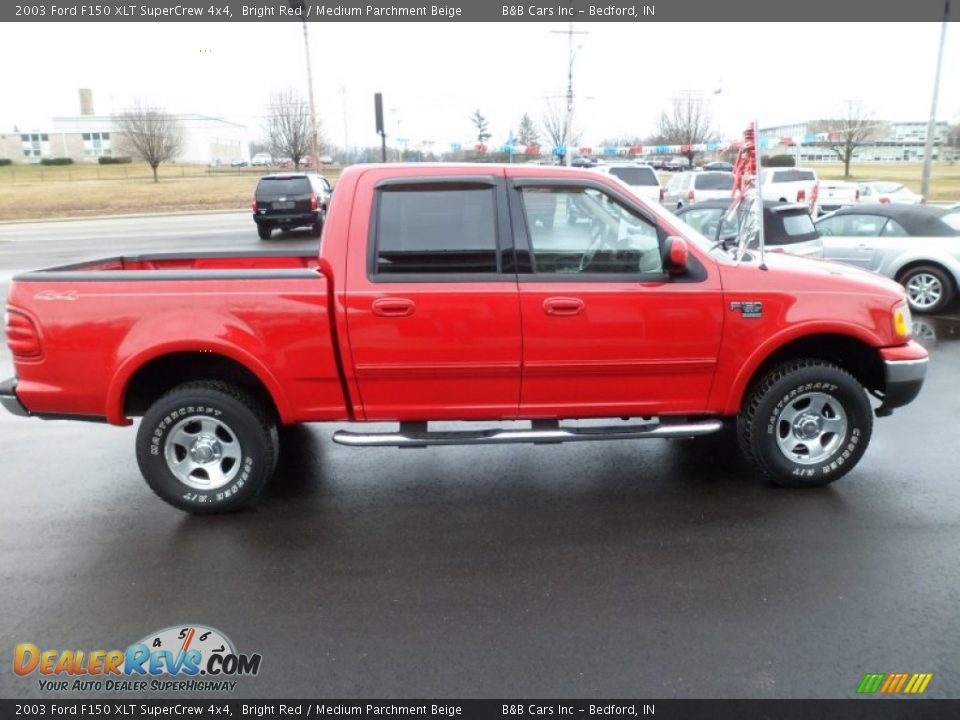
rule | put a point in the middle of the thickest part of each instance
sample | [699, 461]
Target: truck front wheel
[207, 447]
[805, 424]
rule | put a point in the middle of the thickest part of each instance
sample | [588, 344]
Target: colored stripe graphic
[871, 682]
[894, 683]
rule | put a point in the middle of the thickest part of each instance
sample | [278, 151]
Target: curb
[121, 217]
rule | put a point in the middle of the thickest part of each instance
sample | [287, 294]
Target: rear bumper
[8, 398]
[288, 220]
[904, 373]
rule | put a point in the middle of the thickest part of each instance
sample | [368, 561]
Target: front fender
[731, 404]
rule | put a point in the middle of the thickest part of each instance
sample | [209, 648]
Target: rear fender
[209, 332]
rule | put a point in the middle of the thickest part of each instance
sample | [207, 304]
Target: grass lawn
[36, 192]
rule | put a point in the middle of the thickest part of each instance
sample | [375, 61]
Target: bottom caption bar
[680, 709]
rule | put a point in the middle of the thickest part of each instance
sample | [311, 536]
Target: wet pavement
[652, 569]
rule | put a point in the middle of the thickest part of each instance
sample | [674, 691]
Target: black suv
[291, 200]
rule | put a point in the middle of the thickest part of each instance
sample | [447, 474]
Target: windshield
[636, 176]
[785, 176]
[952, 219]
[713, 181]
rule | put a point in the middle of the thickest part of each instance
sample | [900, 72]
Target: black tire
[784, 390]
[316, 230]
[264, 231]
[233, 419]
[932, 273]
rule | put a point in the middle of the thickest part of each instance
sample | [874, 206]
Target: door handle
[562, 306]
[393, 307]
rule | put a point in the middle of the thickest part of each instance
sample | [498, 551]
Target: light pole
[932, 123]
[568, 124]
[314, 144]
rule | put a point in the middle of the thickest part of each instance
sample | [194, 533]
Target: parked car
[677, 164]
[883, 192]
[835, 194]
[418, 309]
[789, 185]
[582, 161]
[719, 165]
[786, 228]
[689, 188]
[237, 162]
[291, 200]
[642, 179]
[261, 160]
[918, 246]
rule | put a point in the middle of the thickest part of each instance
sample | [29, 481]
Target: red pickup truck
[476, 293]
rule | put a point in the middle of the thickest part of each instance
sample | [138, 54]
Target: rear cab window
[636, 176]
[797, 227]
[787, 176]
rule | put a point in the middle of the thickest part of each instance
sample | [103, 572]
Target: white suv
[789, 185]
[642, 179]
[689, 188]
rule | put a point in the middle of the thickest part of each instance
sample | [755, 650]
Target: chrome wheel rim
[202, 452]
[811, 428]
[924, 290]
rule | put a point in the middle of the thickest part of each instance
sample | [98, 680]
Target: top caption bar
[483, 11]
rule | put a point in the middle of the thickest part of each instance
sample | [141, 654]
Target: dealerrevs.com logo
[182, 658]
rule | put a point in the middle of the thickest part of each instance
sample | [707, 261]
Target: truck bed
[100, 324]
[256, 263]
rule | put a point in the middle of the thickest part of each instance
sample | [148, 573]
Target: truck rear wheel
[264, 231]
[805, 424]
[207, 447]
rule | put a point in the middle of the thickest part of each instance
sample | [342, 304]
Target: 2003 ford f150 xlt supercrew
[474, 293]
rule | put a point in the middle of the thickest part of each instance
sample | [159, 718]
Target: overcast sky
[433, 75]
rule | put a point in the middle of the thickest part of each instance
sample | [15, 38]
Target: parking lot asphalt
[655, 569]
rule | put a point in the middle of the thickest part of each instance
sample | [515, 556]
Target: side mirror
[676, 255]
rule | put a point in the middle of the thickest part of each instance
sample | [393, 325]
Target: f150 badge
[748, 308]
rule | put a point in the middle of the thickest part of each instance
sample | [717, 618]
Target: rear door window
[436, 232]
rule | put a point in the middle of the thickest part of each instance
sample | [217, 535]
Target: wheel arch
[855, 354]
[145, 378]
[906, 267]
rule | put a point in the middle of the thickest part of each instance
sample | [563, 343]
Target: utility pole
[932, 123]
[571, 54]
[314, 142]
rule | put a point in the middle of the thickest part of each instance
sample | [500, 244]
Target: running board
[417, 435]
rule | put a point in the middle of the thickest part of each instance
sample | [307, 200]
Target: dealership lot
[657, 569]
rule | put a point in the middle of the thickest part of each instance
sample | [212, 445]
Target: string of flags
[634, 150]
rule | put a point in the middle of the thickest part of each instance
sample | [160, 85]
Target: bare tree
[687, 122]
[847, 132]
[555, 126]
[149, 134]
[288, 126]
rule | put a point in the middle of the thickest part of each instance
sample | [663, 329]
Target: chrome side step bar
[417, 435]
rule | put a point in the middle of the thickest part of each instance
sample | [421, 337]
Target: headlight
[902, 321]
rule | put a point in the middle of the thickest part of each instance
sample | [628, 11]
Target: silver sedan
[916, 245]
